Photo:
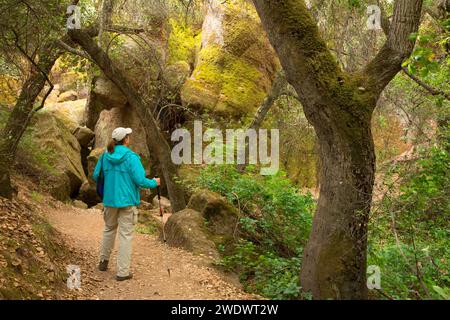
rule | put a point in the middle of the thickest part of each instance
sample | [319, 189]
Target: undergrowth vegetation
[275, 219]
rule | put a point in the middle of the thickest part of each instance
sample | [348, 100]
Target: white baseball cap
[119, 133]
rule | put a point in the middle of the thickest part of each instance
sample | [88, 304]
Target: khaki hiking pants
[125, 220]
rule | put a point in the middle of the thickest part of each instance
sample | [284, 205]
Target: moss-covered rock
[236, 63]
[220, 215]
[208, 222]
[186, 230]
[70, 95]
[107, 93]
[57, 152]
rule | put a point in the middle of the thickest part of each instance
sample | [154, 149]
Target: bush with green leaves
[409, 236]
[275, 221]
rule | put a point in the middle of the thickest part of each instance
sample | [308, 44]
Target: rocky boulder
[186, 229]
[207, 222]
[88, 194]
[107, 93]
[71, 113]
[176, 74]
[122, 117]
[58, 154]
[220, 215]
[236, 63]
[84, 136]
[165, 204]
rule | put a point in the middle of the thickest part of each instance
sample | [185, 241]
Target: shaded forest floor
[77, 233]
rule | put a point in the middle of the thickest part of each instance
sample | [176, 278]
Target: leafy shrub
[274, 224]
[409, 239]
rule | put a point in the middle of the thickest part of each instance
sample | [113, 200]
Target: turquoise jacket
[124, 176]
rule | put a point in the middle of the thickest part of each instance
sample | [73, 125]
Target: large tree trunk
[334, 261]
[339, 106]
[21, 115]
[155, 138]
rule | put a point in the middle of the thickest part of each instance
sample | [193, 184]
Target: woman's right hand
[158, 180]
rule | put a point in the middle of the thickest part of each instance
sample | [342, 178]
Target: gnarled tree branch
[398, 46]
[431, 90]
[295, 36]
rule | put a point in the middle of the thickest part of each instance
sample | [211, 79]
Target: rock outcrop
[122, 117]
[186, 229]
[165, 203]
[58, 155]
[71, 113]
[84, 136]
[220, 215]
[236, 63]
[70, 95]
[207, 222]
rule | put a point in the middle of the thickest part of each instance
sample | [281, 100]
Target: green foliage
[275, 223]
[270, 275]
[410, 237]
[430, 53]
[444, 293]
[147, 228]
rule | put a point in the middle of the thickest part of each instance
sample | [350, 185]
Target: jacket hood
[119, 155]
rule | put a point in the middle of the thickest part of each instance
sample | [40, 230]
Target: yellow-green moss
[241, 88]
[8, 89]
[182, 42]
[225, 83]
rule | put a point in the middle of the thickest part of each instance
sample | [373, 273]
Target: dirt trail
[190, 277]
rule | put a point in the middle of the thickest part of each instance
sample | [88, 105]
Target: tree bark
[339, 106]
[21, 114]
[155, 138]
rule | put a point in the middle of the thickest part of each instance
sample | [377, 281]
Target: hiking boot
[119, 278]
[103, 265]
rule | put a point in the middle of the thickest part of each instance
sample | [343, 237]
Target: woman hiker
[124, 175]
